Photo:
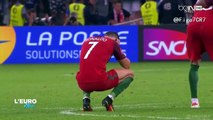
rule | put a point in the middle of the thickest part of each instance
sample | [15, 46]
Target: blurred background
[91, 12]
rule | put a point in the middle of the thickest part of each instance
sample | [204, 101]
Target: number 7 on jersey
[90, 49]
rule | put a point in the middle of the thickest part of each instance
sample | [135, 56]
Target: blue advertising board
[20, 45]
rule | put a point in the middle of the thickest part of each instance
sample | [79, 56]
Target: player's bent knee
[130, 73]
[124, 73]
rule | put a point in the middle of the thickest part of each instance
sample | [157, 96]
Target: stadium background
[55, 12]
[62, 44]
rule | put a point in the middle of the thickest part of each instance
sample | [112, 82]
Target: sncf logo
[177, 48]
[7, 42]
[164, 44]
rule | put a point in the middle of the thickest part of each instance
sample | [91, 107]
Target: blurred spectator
[187, 2]
[149, 12]
[118, 14]
[18, 14]
[1, 5]
[103, 7]
[91, 13]
[1, 19]
[131, 6]
[95, 12]
[193, 2]
[168, 11]
[142, 1]
[2, 11]
[58, 10]
[73, 21]
[53, 21]
[11, 3]
[76, 12]
[34, 20]
[30, 4]
[43, 8]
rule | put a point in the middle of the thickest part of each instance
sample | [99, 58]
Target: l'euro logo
[7, 43]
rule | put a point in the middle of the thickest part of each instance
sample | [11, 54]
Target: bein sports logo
[161, 44]
[191, 9]
[7, 43]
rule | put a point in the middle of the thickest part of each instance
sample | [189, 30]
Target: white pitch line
[75, 112]
[199, 116]
[69, 75]
[69, 112]
[153, 105]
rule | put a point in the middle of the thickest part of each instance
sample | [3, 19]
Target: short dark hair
[112, 34]
[117, 1]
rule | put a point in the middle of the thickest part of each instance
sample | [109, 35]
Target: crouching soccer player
[92, 75]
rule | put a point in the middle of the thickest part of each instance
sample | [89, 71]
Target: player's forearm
[125, 63]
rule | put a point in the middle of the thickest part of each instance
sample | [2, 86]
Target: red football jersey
[95, 54]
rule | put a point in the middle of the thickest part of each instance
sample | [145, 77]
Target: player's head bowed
[113, 35]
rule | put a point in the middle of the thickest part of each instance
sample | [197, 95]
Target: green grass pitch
[160, 91]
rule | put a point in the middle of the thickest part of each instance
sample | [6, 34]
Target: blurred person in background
[6, 6]
[52, 21]
[91, 14]
[43, 9]
[131, 5]
[103, 8]
[1, 5]
[1, 19]
[73, 21]
[118, 14]
[18, 14]
[168, 11]
[142, 1]
[149, 12]
[58, 10]
[76, 11]
[30, 4]
[193, 2]
[1, 11]
[134, 8]
[34, 20]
